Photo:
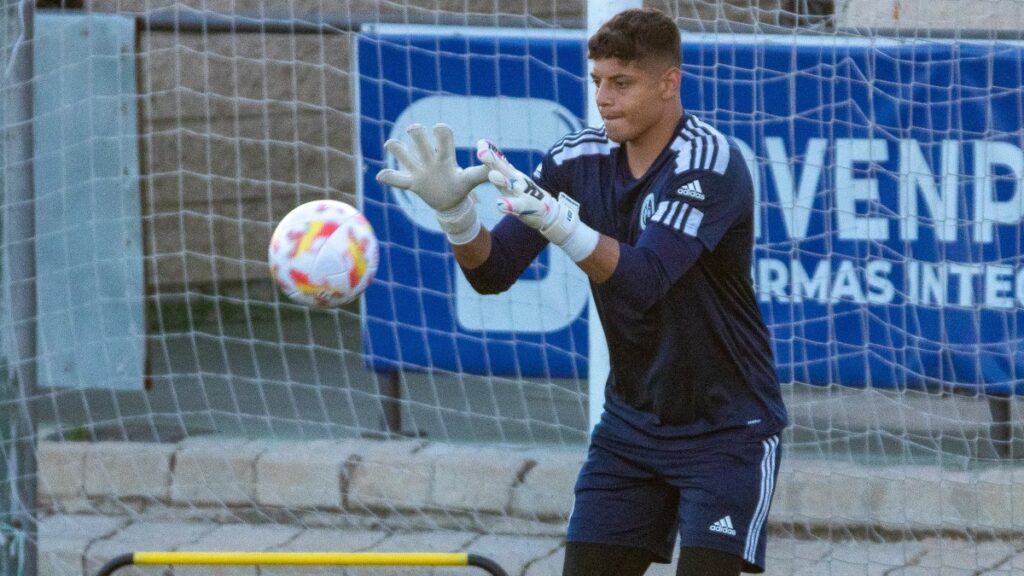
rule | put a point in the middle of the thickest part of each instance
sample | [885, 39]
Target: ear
[671, 79]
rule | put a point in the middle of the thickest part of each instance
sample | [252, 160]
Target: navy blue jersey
[685, 336]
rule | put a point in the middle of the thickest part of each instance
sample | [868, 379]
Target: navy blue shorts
[714, 489]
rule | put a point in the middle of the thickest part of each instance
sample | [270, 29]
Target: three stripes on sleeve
[678, 215]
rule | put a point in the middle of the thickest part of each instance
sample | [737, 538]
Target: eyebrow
[614, 77]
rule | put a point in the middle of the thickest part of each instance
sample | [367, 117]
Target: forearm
[493, 261]
[601, 263]
[474, 253]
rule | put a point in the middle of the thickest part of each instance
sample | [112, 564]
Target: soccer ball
[323, 253]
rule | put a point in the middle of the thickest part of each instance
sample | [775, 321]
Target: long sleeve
[691, 216]
[647, 271]
[513, 246]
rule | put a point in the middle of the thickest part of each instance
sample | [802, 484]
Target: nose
[603, 98]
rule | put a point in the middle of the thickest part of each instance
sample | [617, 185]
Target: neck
[643, 150]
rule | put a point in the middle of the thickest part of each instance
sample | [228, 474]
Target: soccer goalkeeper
[657, 208]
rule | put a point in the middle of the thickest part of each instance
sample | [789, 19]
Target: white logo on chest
[646, 211]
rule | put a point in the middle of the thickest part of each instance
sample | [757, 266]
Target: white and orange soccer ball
[323, 253]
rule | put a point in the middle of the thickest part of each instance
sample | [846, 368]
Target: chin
[616, 138]
[617, 134]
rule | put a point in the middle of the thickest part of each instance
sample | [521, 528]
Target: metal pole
[598, 360]
[18, 266]
[8, 549]
[1001, 429]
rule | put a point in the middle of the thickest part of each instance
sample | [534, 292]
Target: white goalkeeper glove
[557, 220]
[433, 175]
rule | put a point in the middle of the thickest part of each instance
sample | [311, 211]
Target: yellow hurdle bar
[303, 558]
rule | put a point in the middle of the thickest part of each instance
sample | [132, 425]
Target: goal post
[597, 352]
[18, 310]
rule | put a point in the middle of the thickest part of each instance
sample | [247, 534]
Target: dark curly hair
[637, 35]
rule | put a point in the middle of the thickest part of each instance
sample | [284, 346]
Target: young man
[657, 208]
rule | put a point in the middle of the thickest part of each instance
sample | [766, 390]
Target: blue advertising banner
[523, 91]
[889, 233]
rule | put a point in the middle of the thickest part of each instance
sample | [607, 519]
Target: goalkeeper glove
[557, 220]
[433, 175]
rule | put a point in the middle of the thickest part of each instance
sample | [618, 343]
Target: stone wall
[106, 498]
[236, 130]
[932, 17]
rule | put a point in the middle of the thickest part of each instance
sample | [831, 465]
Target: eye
[620, 84]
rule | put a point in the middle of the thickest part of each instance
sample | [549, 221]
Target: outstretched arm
[491, 263]
[557, 220]
[433, 174]
[644, 273]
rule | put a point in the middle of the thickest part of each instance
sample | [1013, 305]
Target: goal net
[162, 394]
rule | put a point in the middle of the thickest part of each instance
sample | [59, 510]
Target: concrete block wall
[236, 130]
[375, 478]
[479, 488]
[345, 477]
[105, 498]
[927, 18]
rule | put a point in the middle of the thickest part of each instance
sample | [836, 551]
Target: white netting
[182, 402]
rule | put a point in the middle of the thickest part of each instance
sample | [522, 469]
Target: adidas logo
[692, 190]
[723, 526]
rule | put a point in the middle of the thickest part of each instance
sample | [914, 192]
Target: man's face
[631, 98]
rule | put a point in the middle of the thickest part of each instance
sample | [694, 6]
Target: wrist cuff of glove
[567, 232]
[580, 243]
[460, 223]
